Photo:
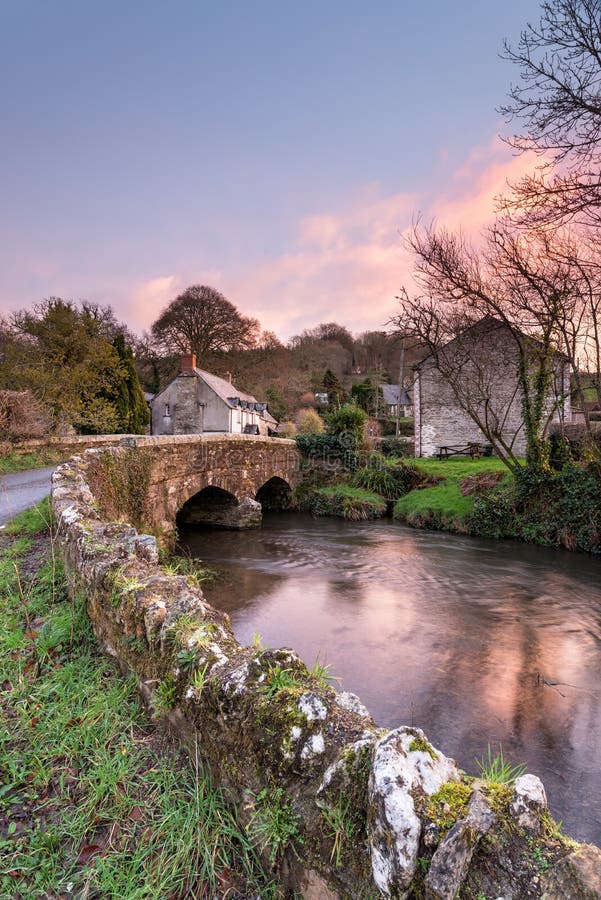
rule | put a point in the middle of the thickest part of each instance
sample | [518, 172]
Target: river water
[476, 642]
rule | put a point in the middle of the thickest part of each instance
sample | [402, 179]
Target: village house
[197, 402]
[476, 373]
[390, 394]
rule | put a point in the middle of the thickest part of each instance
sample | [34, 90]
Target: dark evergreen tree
[129, 397]
[333, 386]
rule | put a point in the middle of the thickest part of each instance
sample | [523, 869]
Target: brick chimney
[187, 364]
[228, 375]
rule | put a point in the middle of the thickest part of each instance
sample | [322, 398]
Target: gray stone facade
[198, 402]
[486, 356]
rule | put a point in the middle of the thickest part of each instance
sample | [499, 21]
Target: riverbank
[97, 801]
[423, 493]
[449, 504]
[553, 507]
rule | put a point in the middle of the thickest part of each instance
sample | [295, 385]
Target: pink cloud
[350, 266]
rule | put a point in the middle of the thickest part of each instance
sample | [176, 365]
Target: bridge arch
[184, 466]
[274, 494]
[212, 506]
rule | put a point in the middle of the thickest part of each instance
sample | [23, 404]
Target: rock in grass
[529, 802]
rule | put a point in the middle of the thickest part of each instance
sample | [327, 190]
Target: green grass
[347, 502]
[443, 505]
[94, 800]
[17, 462]
[496, 770]
[457, 468]
[34, 520]
[274, 824]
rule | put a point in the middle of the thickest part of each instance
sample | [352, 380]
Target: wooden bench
[474, 450]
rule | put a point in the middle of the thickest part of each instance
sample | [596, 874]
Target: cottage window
[167, 413]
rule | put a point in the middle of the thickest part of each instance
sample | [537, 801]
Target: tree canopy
[204, 322]
[74, 359]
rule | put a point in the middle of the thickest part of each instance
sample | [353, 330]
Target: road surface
[22, 490]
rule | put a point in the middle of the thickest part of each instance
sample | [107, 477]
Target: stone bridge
[216, 479]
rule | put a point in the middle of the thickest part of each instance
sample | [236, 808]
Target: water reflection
[476, 642]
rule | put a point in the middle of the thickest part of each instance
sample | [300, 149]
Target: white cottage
[197, 402]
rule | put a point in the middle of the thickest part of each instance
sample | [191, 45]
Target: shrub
[22, 416]
[309, 422]
[574, 443]
[331, 449]
[390, 481]
[347, 420]
[345, 502]
[395, 448]
[287, 429]
[493, 514]
[545, 507]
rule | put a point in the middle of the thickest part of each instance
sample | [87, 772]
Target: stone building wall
[488, 382]
[188, 406]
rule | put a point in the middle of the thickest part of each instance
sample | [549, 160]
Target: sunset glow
[266, 164]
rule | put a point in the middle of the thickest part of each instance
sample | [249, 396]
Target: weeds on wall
[274, 825]
[120, 481]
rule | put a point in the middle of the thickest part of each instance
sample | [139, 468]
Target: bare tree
[557, 101]
[330, 332]
[202, 321]
[514, 281]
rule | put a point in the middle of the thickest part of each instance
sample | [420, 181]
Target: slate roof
[488, 322]
[223, 388]
[391, 395]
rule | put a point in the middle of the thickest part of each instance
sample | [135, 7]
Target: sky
[272, 149]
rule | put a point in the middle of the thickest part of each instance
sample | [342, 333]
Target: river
[476, 642]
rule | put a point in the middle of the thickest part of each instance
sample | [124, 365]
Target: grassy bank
[346, 502]
[20, 462]
[94, 799]
[427, 493]
[448, 503]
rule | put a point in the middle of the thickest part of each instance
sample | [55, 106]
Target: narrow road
[22, 490]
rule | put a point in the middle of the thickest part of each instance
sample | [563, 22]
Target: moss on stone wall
[119, 479]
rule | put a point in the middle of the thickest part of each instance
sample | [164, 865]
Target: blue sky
[272, 149]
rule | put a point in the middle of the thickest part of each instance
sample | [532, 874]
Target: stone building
[390, 395]
[197, 402]
[476, 373]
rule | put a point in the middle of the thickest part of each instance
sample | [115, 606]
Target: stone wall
[336, 806]
[63, 446]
